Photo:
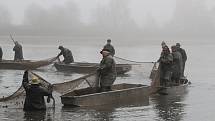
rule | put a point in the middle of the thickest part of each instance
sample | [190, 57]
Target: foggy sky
[152, 19]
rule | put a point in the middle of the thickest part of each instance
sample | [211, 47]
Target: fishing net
[89, 80]
[140, 70]
[16, 100]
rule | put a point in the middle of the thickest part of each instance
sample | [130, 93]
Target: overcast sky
[160, 9]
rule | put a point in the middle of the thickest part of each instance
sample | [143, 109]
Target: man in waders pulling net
[35, 94]
[106, 71]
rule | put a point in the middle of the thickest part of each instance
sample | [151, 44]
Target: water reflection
[169, 107]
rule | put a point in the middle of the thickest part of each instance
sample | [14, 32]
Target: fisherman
[1, 54]
[184, 56]
[107, 71]
[67, 54]
[110, 47]
[18, 51]
[35, 94]
[165, 60]
[177, 65]
[163, 45]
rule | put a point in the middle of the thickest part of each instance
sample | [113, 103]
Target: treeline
[191, 19]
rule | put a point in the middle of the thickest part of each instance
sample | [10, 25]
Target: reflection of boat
[25, 64]
[120, 94]
[79, 67]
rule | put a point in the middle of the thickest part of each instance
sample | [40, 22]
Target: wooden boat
[172, 88]
[79, 67]
[120, 94]
[179, 89]
[25, 64]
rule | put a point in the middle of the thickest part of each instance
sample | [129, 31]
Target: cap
[109, 40]
[35, 80]
[60, 47]
[178, 44]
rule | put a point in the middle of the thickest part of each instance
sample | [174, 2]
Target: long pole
[12, 38]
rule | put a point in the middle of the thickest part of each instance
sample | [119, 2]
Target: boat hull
[88, 67]
[120, 94]
[23, 65]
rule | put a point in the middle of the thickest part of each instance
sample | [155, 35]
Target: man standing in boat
[67, 54]
[107, 71]
[110, 47]
[1, 54]
[165, 60]
[177, 65]
[35, 93]
[18, 51]
[184, 56]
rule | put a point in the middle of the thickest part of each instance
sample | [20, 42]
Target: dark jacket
[183, 54]
[67, 54]
[177, 65]
[1, 54]
[107, 71]
[166, 66]
[110, 48]
[34, 95]
[18, 52]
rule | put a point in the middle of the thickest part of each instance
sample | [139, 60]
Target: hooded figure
[18, 52]
[107, 71]
[1, 54]
[34, 94]
[67, 54]
[110, 47]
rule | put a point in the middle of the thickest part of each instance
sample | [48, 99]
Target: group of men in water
[172, 64]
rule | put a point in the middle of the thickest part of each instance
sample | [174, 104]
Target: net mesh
[17, 98]
[140, 71]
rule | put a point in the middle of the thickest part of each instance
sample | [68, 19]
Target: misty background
[143, 19]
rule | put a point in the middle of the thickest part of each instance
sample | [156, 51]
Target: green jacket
[107, 71]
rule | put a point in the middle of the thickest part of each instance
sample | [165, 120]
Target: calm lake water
[196, 105]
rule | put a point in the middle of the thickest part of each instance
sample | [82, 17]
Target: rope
[132, 60]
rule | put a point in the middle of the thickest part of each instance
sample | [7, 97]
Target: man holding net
[34, 94]
[106, 71]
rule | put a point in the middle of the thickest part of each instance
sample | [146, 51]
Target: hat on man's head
[109, 40]
[35, 80]
[178, 44]
[60, 47]
[106, 50]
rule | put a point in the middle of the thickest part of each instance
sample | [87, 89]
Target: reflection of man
[1, 54]
[67, 54]
[35, 93]
[110, 47]
[107, 71]
[18, 51]
[184, 56]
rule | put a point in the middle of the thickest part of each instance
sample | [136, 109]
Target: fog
[166, 19]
